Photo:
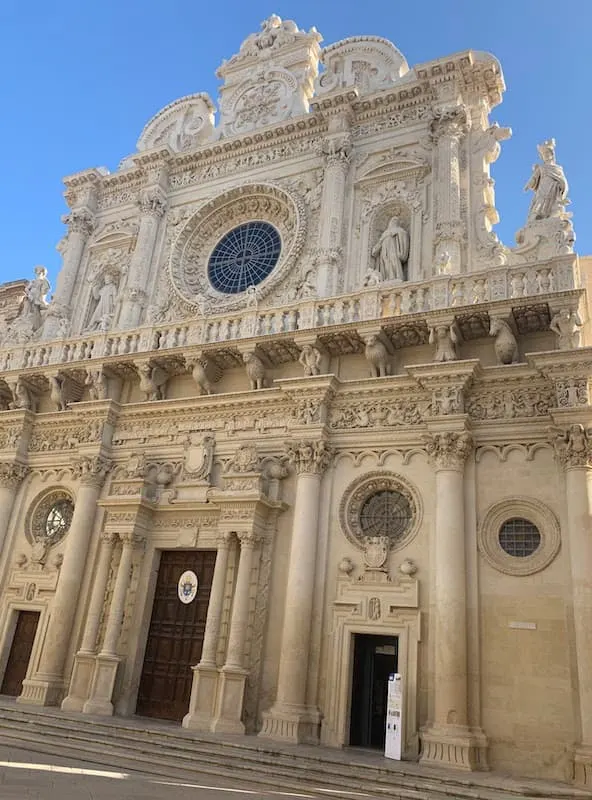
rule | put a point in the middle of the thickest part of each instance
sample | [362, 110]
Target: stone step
[165, 750]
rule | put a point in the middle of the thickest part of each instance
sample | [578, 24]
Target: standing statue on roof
[549, 185]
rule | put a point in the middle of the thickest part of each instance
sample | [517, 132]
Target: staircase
[166, 750]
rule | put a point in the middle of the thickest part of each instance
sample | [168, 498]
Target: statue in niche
[549, 185]
[306, 287]
[35, 299]
[566, 325]
[106, 296]
[392, 251]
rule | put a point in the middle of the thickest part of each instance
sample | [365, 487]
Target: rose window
[385, 513]
[49, 519]
[58, 519]
[244, 257]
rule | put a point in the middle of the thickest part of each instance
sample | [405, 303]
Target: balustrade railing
[441, 292]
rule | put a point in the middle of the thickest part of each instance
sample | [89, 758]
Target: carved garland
[525, 508]
[361, 490]
[191, 250]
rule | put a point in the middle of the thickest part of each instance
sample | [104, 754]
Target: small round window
[519, 537]
[49, 519]
[385, 513]
[244, 257]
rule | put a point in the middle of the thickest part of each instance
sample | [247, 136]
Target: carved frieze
[510, 403]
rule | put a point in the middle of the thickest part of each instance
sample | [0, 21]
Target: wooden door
[176, 634]
[20, 653]
[375, 658]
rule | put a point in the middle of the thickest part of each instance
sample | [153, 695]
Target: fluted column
[205, 674]
[11, 477]
[447, 129]
[574, 453]
[447, 740]
[81, 224]
[84, 661]
[290, 718]
[336, 151]
[46, 686]
[152, 204]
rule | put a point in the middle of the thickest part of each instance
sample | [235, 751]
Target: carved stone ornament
[245, 459]
[199, 457]
[572, 392]
[368, 63]
[506, 346]
[309, 457]
[573, 446]
[91, 470]
[447, 400]
[12, 475]
[380, 512]
[448, 450]
[182, 125]
[188, 267]
[566, 325]
[47, 521]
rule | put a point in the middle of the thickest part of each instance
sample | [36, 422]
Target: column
[205, 674]
[47, 685]
[336, 150]
[11, 477]
[290, 718]
[100, 700]
[574, 453]
[152, 204]
[81, 224]
[85, 658]
[447, 740]
[233, 675]
[447, 128]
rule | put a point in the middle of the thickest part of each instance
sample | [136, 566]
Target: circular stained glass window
[385, 513]
[58, 519]
[519, 537]
[244, 257]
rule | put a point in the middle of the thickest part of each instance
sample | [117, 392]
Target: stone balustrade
[372, 303]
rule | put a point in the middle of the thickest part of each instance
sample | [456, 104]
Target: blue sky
[80, 80]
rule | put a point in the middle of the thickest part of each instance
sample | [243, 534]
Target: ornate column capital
[108, 537]
[12, 475]
[449, 121]
[309, 457]
[448, 449]
[91, 470]
[152, 202]
[573, 446]
[336, 150]
[80, 220]
[248, 539]
[223, 539]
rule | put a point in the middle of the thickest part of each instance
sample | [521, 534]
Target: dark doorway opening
[375, 657]
[20, 653]
[175, 638]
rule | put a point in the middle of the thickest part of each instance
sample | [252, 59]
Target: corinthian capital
[448, 450]
[152, 202]
[308, 456]
[12, 475]
[573, 446]
[91, 470]
[449, 121]
[80, 220]
[337, 150]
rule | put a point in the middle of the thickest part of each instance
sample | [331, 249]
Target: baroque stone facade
[287, 340]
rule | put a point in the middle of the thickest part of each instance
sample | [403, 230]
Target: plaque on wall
[187, 587]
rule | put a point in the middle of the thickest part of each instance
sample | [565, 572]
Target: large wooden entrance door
[20, 653]
[375, 657]
[176, 634]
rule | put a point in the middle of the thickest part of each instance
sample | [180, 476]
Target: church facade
[296, 419]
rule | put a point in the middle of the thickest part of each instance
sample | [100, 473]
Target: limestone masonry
[295, 418]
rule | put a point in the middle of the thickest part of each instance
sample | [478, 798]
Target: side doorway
[375, 658]
[20, 653]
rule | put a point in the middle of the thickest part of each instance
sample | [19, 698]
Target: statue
[35, 300]
[567, 325]
[105, 296]
[377, 356]
[443, 265]
[306, 287]
[392, 251]
[310, 359]
[506, 346]
[549, 185]
[371, 278]
[446, 338]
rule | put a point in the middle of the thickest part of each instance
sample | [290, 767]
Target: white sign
[394, 717]
[187, 586]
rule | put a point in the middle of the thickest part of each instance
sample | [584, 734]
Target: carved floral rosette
[355, 497]
[200, 234]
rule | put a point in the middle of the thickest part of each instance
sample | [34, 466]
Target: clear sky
[80, 80]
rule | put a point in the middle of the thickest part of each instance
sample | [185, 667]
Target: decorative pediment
[182, 125]
[368, 63]
[396, 163]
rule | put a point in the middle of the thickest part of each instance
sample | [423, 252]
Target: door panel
[20, 653]
[175, 637]
[375, 657]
